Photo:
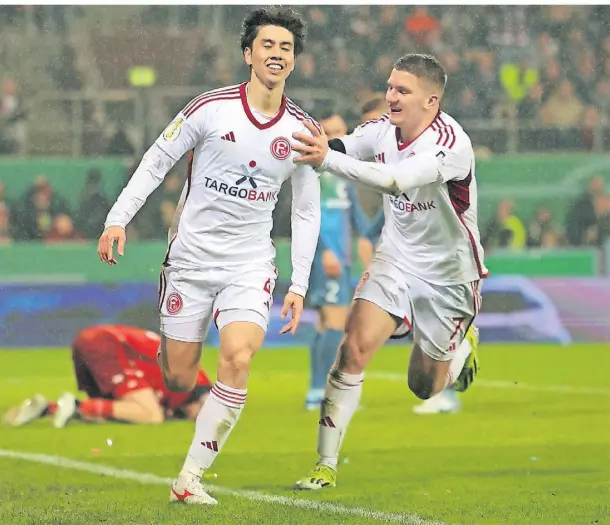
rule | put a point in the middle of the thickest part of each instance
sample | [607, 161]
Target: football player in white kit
[219, 265]
[427, 269]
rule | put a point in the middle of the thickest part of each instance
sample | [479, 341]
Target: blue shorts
[324, 290]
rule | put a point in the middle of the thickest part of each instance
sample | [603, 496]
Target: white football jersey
[238, 160]
[430, 231]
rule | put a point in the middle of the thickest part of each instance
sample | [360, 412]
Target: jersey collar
[248, 111]
[403, 145]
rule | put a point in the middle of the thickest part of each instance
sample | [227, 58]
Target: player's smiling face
[272, 55]
[410, 98]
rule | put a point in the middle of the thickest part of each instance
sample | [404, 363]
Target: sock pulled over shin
[214, 423]
[341, 399]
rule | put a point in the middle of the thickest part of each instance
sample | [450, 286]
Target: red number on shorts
[267, 286]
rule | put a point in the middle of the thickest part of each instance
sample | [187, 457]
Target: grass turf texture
[520, 452]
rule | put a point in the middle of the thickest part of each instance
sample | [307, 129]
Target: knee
[179, 380]
[236, 359]
[354, 353]
[422, 385]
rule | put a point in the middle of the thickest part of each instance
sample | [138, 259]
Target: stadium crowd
[546, 66]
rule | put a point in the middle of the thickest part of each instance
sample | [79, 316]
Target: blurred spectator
[374, 108]
[602, 89]
[62, 230]
[469, 106]
[581, 219]
[305, 74]
[505, 230]
[487, 84]
[543, 232]
[563, 109]
[39, 206]
[517, 78]
[529, 107]
[590, 123]
[119, 143]
[552, 75]
[420, 24]
[93, 206]
[584, 77]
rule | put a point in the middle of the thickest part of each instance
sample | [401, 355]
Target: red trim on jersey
[228, 96]
[300, 118]
[407, 144]
[383, 118]
[189, 176]
[299, 114]
[459, 193]
[248, 111]
[475, 252]
[208, 94]
[448, 129]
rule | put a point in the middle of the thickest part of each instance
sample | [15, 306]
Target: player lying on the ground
[427, 270]
[116, 366]
[219, 265]
[330, 286]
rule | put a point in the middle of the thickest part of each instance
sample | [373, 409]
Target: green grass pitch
[531, 446]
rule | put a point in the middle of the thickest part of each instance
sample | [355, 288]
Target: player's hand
[294, 303]
[314, 149]
[105, 245]
[331, 264]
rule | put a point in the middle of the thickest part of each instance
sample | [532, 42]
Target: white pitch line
[153, 479]
[509, 385]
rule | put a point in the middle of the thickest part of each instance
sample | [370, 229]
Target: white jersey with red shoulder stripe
[430, 231]
[238, 162]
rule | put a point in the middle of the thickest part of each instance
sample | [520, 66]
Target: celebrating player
[426, 274]
[116, 366]
[330, 286]
[220, 260]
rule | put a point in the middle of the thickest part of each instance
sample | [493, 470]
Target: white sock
[457, 363]
[341, 399]
[215, 421]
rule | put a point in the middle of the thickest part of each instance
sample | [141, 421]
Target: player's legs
[332, 297]
[443, 317]
[380, 299]
[186, 298]
[241, 313]
[368, 328]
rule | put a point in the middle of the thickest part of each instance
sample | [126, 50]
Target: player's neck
[410, 133]
[266, 100]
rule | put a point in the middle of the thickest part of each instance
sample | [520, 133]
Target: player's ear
[248, 56]
[432, 101]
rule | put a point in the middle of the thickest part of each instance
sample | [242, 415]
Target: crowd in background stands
[546, 64]
[549, 65]
[41, 214]
[587, 223]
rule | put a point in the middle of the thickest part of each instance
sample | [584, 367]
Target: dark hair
[423, 66]
[273, 16]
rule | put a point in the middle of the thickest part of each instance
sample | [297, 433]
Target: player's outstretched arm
[394, 179]
[179, 137]
[305, 231]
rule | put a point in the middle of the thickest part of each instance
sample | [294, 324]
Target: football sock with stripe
[214, 423]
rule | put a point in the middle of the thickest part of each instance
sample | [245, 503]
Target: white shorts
[437, 315]
[189, 300]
